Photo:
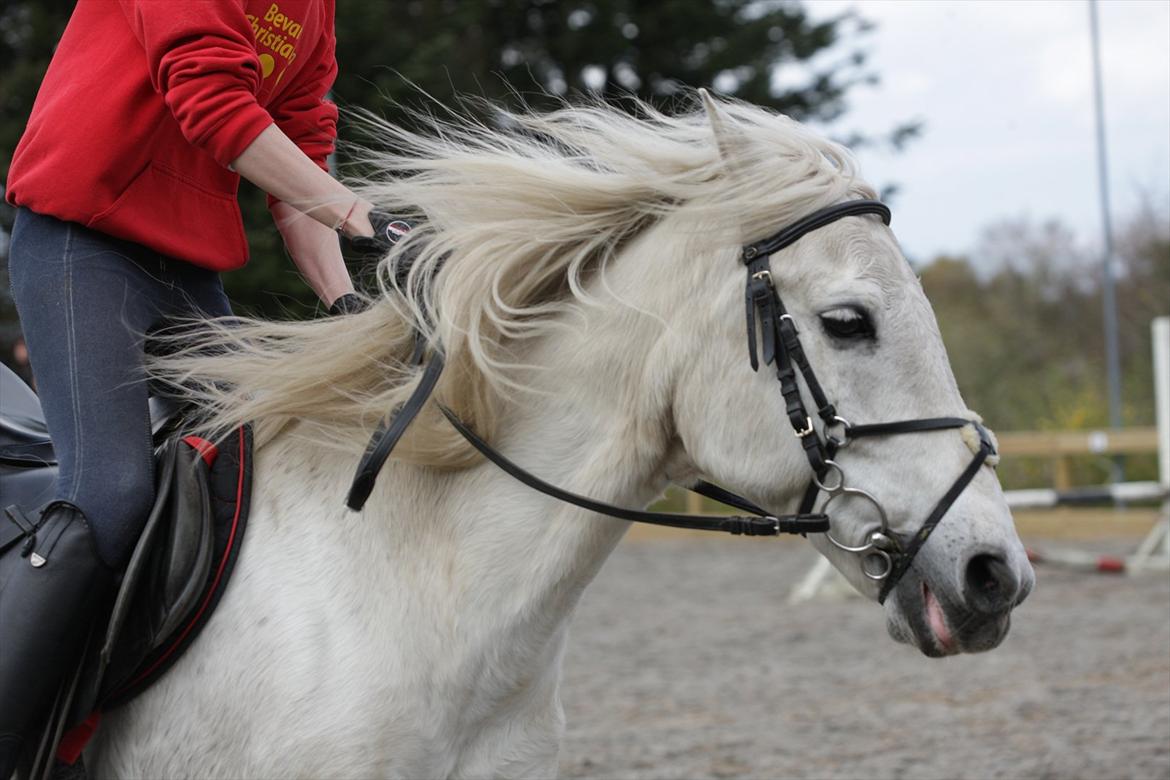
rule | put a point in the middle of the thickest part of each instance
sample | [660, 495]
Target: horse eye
[848, 323]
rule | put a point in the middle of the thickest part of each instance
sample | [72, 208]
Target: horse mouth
[939, 629]
[939, 636]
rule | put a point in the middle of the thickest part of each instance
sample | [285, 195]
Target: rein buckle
[807, 430]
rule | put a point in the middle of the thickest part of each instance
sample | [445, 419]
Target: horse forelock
[519, 215]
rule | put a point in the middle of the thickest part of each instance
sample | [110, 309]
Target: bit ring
[832, 490]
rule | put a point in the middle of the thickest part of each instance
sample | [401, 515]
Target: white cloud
[1005, 91]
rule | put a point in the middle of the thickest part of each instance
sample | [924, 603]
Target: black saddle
[179, 567]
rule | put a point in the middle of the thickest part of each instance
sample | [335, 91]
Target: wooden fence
[1060, 446]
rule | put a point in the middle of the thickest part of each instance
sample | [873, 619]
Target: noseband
[884, 557]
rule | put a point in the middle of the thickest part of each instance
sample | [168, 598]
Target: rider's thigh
[84, 301]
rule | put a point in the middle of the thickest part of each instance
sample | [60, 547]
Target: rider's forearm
[276, 165]
[315, 250]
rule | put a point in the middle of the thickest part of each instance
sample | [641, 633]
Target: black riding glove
[388, 231]
[350, 303]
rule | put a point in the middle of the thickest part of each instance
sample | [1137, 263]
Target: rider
[125, 182]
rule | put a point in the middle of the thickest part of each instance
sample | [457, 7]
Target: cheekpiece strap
[779, 338]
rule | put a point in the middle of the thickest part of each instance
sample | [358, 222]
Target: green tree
[28, 35]
[510, 51]
[608, 47]
[1025, 338]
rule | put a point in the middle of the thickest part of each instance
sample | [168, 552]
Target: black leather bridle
[885, 557]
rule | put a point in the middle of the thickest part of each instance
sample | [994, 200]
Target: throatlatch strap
[791, 340]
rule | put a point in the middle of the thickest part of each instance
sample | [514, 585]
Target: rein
[759, 523]
[884, 557]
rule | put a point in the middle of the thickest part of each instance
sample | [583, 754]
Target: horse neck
[596, 424]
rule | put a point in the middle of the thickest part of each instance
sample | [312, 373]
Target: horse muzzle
[972, 618]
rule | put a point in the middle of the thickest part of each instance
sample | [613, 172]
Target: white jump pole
[1160, 330]
[1154, 551]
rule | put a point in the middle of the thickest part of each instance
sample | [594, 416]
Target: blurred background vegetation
[1022, 325]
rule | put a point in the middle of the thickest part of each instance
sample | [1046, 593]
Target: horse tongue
[938, 621]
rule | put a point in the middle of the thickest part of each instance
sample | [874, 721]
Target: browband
[794, 232]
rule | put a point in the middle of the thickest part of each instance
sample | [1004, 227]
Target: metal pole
[1112, 351]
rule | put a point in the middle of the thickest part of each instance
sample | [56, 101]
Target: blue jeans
[85, 301]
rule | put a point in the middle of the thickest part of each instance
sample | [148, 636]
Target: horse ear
[726, 137]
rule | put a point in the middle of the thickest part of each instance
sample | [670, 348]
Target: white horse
[590, 306]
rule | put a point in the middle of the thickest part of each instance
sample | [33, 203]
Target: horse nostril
[1025, 589]
[991, 586]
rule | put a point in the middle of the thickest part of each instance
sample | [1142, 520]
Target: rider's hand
[385, 230]
[350, 303]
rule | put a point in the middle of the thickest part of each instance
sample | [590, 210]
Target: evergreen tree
[509, 51]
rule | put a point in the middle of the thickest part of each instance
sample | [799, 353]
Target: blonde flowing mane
[519, 215]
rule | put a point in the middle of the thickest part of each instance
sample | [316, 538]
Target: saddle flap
[182, 558]
[165, 465]
[169, 567]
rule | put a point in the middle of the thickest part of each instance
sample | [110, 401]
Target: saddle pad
[229, 481]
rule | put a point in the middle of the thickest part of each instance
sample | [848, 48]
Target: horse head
[872, 344]
[585, 274]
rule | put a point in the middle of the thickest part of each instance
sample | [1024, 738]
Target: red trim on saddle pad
[208, 451]
[77, 738]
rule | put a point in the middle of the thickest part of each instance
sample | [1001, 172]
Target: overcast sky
[1005, 92]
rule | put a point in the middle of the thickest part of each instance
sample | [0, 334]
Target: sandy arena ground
[685, 662]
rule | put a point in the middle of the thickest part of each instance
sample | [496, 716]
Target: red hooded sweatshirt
[146, 103]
